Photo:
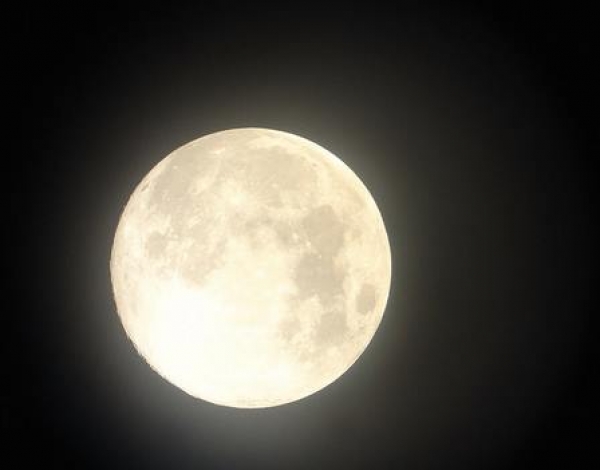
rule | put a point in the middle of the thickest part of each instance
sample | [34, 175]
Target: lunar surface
[251, 268]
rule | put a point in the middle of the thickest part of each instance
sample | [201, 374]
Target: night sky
[475, 133]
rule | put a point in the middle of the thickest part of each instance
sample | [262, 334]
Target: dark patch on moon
[324, 230]
[331, 330]
[201, 261]
[172, 192]
[290, 327]
[268, 172]
[366, 299]
[254, 229]
[156, 244]
[285, 233]
[316, 275]
[173, 184]
[173, 195]
[316, 272]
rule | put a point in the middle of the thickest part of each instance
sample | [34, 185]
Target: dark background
[475, 132]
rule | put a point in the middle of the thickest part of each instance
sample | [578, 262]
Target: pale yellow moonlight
[251, 268]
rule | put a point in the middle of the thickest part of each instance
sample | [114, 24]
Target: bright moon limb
[251, 268]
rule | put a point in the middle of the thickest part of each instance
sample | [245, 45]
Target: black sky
[475, 132]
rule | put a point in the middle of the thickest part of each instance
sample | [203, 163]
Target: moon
[251, 268]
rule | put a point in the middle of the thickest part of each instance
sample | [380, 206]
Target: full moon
[251, 268]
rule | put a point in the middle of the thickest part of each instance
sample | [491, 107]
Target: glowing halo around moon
[251, 268]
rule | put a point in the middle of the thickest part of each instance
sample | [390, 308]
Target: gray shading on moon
[251, 268]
